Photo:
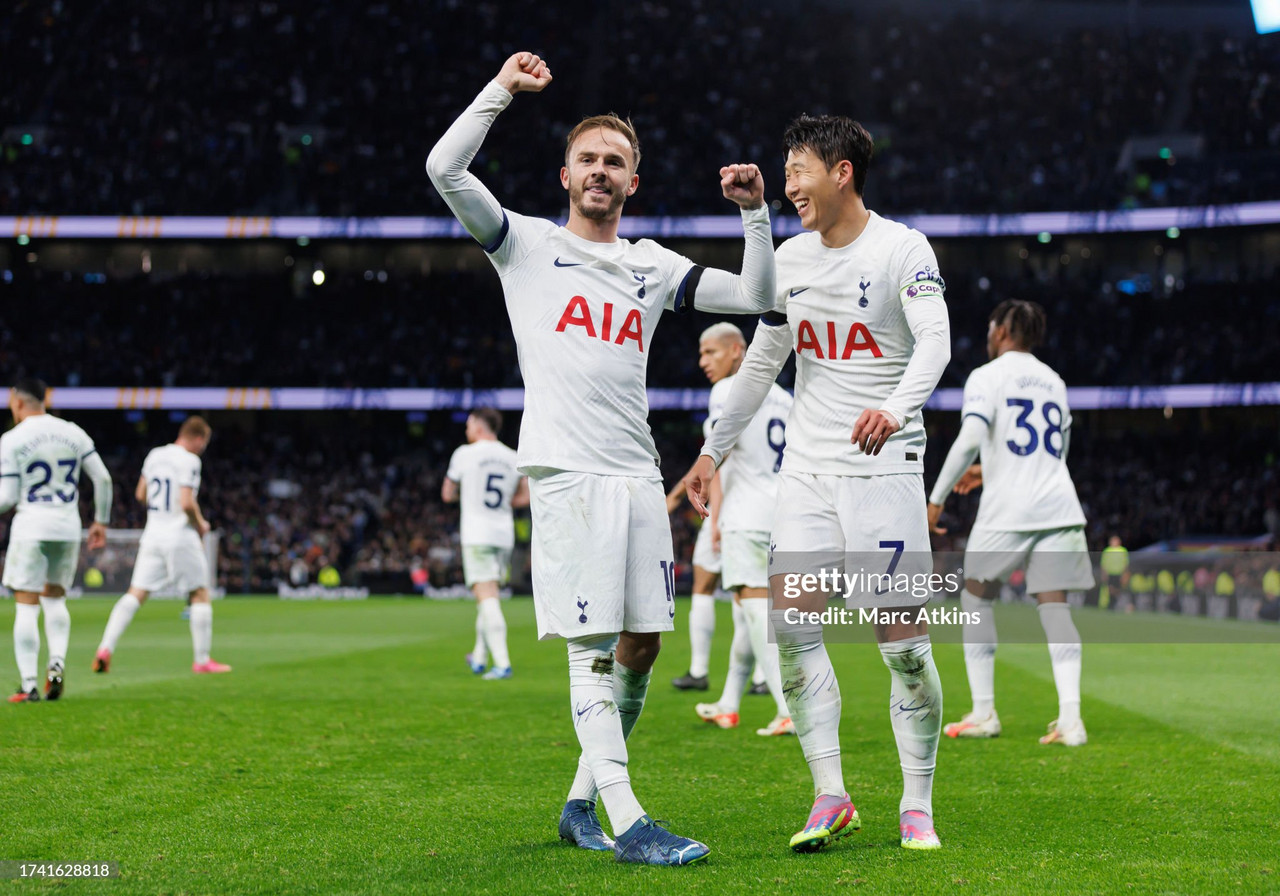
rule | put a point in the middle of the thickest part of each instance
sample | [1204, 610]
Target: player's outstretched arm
[972, 479]
[468, 199]
[521, 497]
[102, 494]
[963, 450]
[449, 491]
[768, 352]
[752, 291]
[675, 496]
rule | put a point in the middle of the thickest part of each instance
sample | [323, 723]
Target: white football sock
[702, 627]
[629, 691]
[813, 698]
[495, 631]
[1066, 654]
[478, 653]
[26, 642]
[756, 611]
[118, 621]
[740, 659]
[598, 725]
[915, 710]
[980, 653]
[757, 674]
[57, 628]
[201, 630]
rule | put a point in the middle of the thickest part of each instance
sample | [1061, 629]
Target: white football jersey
[583, 315]
[486, 475]
[1025, 482]
[167, 470]
[749, 474]
[844, 308]
[45, 454]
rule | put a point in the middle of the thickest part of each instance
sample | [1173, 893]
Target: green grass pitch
[351, 752]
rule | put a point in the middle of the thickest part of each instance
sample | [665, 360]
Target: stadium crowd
[195, 107]
[440, 331]
[291, 496]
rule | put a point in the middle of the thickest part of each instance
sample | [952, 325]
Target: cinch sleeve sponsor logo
[924, 288]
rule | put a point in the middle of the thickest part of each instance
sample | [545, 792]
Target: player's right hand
[971, 479]
[697, 484]
[935, 511]
[97, 536]
[524, 72]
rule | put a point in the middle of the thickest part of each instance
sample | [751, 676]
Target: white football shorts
[485, 563]
[30, 565]
[1055, 559]
[862, 526]
[602, 555]
[704, 555]
[746, 559]
[172, 566]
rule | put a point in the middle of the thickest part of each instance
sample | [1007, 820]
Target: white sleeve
[750, 292]
[97, 472]
[455, 466]
[770, 348]
[927, 318]
[963, 451]
[468, 199]
[9, 478]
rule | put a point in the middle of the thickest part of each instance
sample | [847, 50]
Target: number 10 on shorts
[669, 582]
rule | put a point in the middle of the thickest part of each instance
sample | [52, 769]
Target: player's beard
[577, 196]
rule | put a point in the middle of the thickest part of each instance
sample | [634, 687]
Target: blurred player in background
[583, 306]
[482, 479]
[171, 555]
[706, 579]
[1015, 414]
[748, 478]
[702, 610]
[41, 459]
[860, 301]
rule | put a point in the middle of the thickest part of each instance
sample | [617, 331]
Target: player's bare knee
[984, 590]
[200, 596]
[54, 591]
[1051, 597]
[704, 581]
[639, 650]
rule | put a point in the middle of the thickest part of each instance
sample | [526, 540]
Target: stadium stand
[188, 107]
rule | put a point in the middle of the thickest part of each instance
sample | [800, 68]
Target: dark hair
[834, 139]
[1025, 320]
[195, 426]
[31, 388]
[490, 417]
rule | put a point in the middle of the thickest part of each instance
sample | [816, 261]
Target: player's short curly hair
[1026, 321]
[490, 417]
[612, 122]
[834, 139]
